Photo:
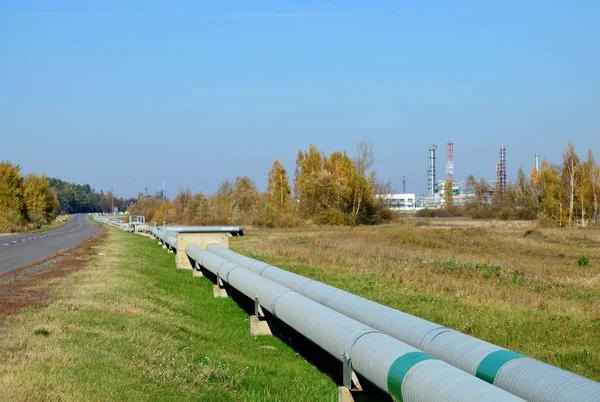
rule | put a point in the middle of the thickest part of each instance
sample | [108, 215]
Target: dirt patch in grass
[29, 286]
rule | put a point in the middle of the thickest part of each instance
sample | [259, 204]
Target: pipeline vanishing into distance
[520, 375]
[401, 370]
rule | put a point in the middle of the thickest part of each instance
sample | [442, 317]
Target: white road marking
[44, 236]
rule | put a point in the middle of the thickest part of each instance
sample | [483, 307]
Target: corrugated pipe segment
[520, 375]
[406, 373]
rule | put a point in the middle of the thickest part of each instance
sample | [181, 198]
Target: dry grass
[463, 274]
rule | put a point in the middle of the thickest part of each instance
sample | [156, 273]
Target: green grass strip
[400, 368]
[492, 363]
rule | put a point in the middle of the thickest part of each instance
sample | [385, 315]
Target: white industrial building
[401, 202]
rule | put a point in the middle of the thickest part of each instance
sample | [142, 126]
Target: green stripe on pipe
[399, 370]
[492, 363]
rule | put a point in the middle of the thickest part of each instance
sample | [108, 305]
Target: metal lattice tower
[450, 161]
[501, 170]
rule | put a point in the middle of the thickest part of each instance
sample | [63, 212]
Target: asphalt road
[23, 249]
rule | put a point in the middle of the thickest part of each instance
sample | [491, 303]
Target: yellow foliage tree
[448, 193]
[333, 190]
[552, 208]
[40, 199]
[12, 205]
[569, 175]
[278, 188]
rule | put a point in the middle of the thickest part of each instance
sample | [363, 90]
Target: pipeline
[404, 372]
[520, 375]
[168, 238]
[233, 230]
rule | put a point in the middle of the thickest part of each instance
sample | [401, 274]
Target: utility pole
[403, 184]
[112, 201]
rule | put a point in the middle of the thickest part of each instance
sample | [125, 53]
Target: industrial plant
[436, 188]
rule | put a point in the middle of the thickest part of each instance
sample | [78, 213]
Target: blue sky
[123, 93]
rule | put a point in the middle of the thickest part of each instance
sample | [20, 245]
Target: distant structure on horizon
[461, 193]
[450, 161]
[435, 196]
[431, 183]
[501, 170]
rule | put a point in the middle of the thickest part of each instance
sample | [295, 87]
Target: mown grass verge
[129, 326]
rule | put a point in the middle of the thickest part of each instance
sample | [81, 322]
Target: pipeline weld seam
[354, 338]
[263, 270]
[274, 302]
[326, 295]
[445, 329]
[304, 285]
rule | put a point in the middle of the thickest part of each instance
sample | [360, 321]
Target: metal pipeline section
[520, 375]
[233, 230]
[168, 238]
[404, 372]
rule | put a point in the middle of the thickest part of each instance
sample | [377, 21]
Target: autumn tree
[365, 156]
[587, 190]
[448, 193]
[12, 205]
[535, 180]
[595, 183]
[525, 198]
[335, 189]
[196, 210]
[245, 200]
[221, 211]
[146, 205]
[40, 199]
[569, 173]
[165, 214]
[308, 181]
[278, 188]
[366, 179]
[552, 209]
[180, 203]
[106, 203]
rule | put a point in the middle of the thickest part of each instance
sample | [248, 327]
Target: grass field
[129, 326]
[529, 289]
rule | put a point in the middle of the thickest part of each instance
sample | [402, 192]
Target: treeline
[334, 189]
[32, 201]
[75, 198]
[25, 201]
[565, 194]
[82, 198]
